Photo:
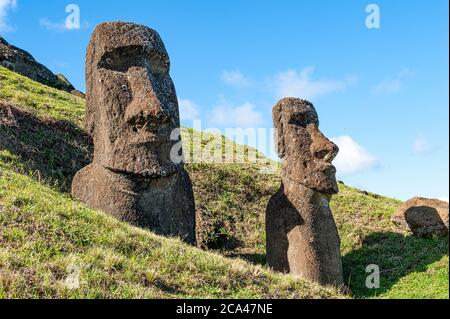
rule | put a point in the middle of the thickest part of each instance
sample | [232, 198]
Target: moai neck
[302, 196]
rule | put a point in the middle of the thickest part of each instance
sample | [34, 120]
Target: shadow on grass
[51, 151]
[395, 254]
[255, 259]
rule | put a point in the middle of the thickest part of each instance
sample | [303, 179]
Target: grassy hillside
[43, 231]
[44, 234]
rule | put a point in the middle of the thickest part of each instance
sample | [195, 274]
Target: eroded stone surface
[302, 237]
[131, 112]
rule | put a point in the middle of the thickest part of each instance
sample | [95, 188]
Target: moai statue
[137, 173]
[302, 238]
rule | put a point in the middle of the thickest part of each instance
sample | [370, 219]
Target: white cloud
[392, 84]
[235, 78]
[388, 86]
[444, 199]
[301, 84]
[243, 116]
[62, 26]
[352, 157]
[5, 6]
[52, 26]
[188, 110]
[422, 147]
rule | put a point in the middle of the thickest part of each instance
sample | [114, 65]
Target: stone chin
[145, 160]
[163, 170]
[322, 178]
[326, 181]
[146, 169]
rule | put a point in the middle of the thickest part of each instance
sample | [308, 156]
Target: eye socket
[122, 59]
[303, 118]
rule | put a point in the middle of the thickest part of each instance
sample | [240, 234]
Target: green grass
[43, 231]
[369, 237]
[40, 100]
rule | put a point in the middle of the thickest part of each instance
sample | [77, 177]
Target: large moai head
[131, 102]
[306, 153]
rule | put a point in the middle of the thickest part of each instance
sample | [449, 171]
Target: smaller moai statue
[302, 237]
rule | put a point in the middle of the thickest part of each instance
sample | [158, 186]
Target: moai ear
[279, 134]
[91, 110]
[89, 119]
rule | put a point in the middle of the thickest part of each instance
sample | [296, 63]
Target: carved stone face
[132, 106]
[306, 153]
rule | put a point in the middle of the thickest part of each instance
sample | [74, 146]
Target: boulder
[424, 217]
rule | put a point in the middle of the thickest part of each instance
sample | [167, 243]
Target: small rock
[78, 93]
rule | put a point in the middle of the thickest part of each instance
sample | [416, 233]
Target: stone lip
[22, 62]
[424, 217]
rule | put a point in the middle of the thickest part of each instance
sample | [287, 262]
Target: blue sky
[381, 94]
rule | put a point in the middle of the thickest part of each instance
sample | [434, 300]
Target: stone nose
[322, 147]
[146, 106]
